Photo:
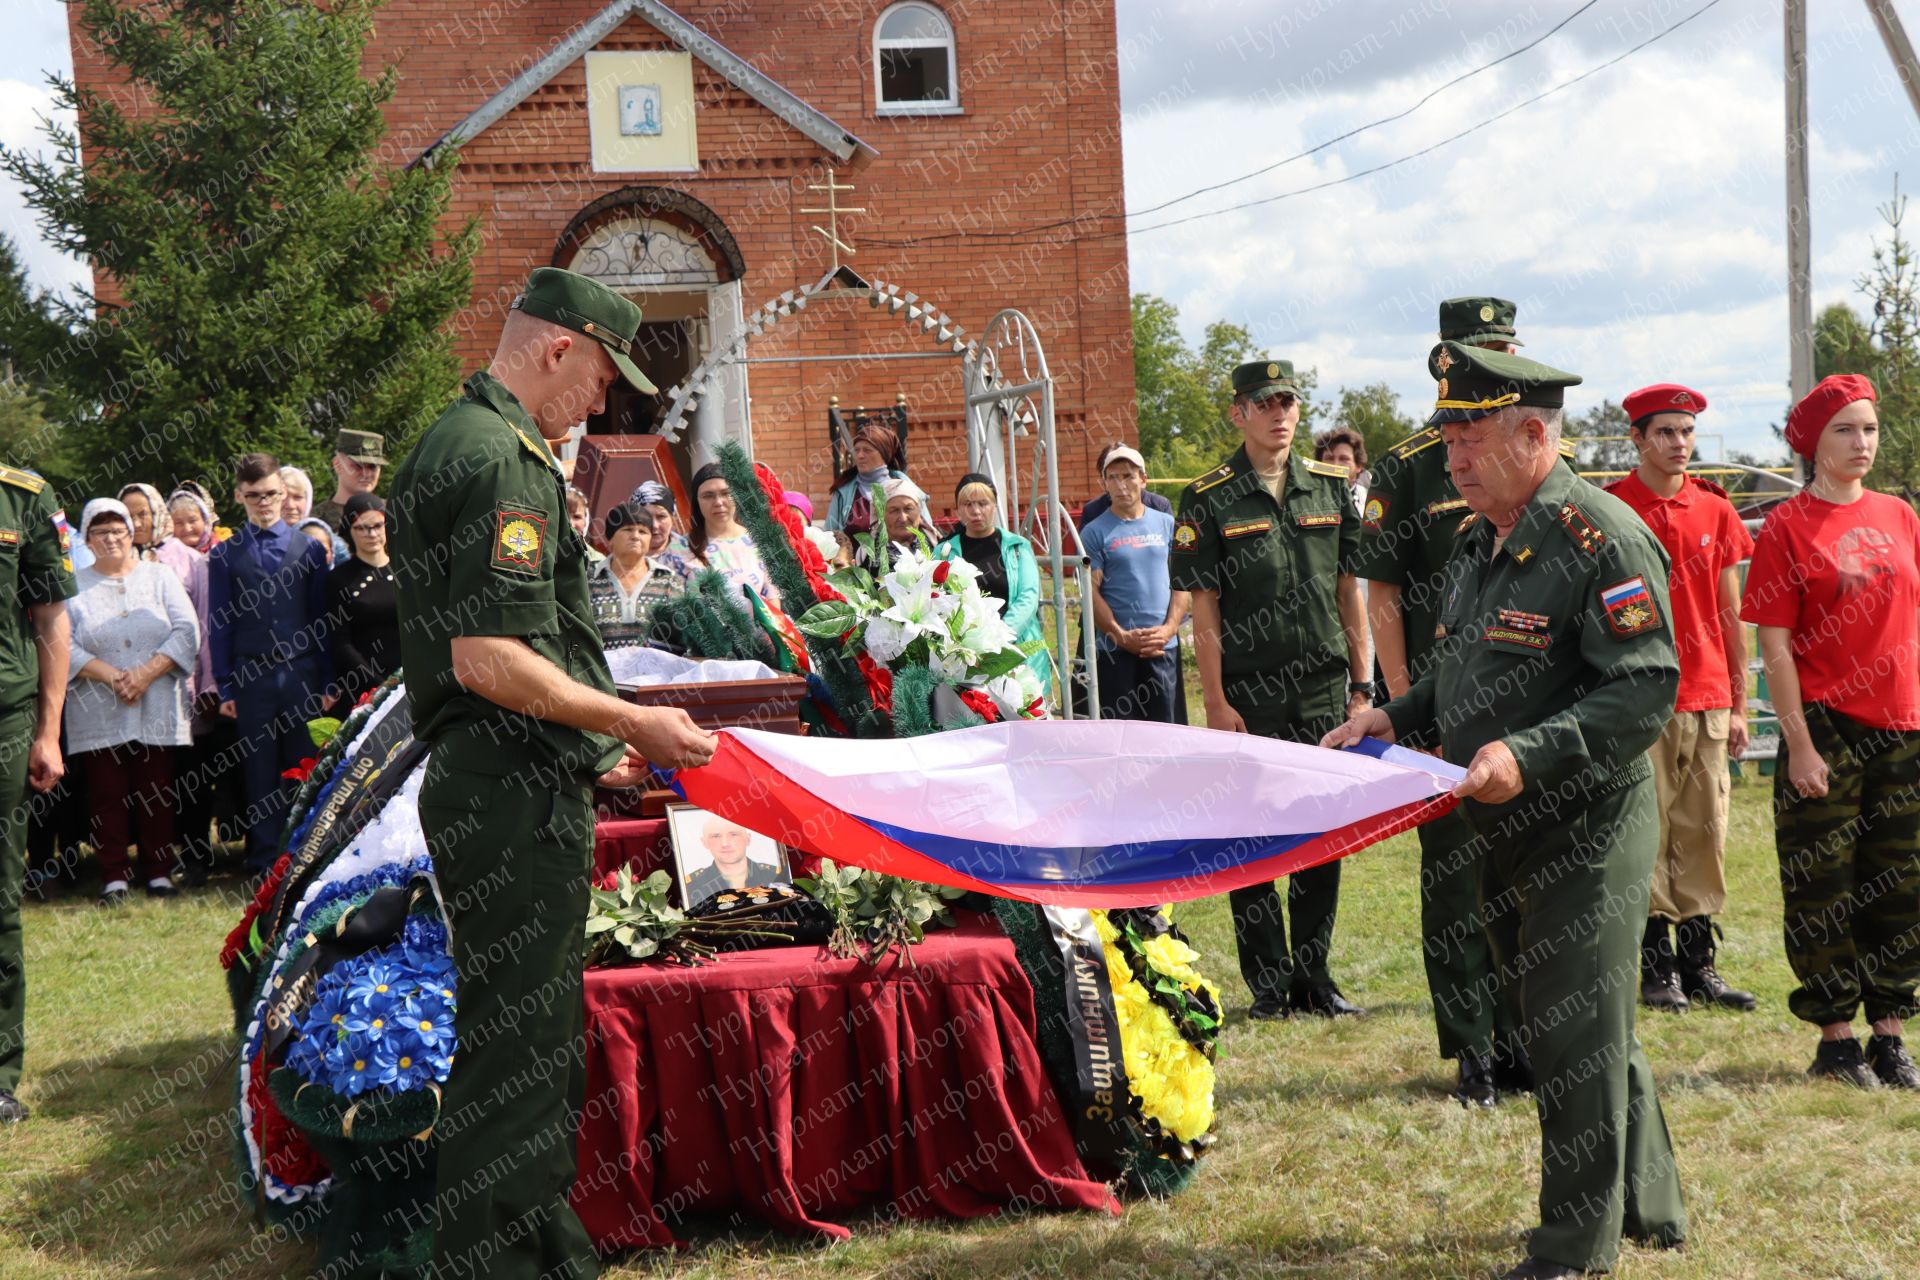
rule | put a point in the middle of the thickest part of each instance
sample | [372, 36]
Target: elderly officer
[1406, 537]
[1279, 629]
[506, 678]
[1556, 670]
[34, 640]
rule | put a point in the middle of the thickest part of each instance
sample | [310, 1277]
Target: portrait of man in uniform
[712, 855]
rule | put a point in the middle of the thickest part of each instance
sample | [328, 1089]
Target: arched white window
[913, 62]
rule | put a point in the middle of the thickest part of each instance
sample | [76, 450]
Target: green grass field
[1339, 1153]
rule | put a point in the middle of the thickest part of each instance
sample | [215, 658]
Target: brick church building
[675, 154]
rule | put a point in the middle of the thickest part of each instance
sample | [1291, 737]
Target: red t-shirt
[1845, 581]
[1703, 537]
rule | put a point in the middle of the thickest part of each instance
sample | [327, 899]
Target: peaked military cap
[1476, 320]
[1474, 382]
[1263, 379]
[576, 302]
[361, 446]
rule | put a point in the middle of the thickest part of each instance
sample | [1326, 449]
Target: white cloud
[22, 107]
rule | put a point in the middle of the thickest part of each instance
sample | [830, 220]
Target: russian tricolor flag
[1082, 813]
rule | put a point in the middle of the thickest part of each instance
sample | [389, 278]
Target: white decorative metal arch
[1009, 397]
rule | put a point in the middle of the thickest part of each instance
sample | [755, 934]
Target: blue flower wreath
[382, 1019]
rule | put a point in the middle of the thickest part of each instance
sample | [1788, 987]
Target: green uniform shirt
[1559, 644]
[33, 570]
[1273, 563]
[483, 547]
[1407, 532]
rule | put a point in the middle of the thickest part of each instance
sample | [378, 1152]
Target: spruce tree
[264, 274]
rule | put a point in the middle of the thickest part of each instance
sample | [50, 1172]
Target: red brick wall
[1038, 142]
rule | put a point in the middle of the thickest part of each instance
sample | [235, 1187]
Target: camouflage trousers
[1850, 872]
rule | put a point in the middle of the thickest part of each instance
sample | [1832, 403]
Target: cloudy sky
[1637, 216]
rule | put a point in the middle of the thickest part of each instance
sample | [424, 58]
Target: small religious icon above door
[640, 110]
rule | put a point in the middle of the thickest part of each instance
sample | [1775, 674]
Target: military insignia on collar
[1375, 513]
[1521, 554]
[1582, 529]
[519, 536]
[1187, 536]
[1630, 607]
[1443, 362]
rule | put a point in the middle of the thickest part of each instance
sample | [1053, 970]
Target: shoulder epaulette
[1709, 486]
[1588, 535]
[22, 479]
[1566, 448]
[1416, 442]
[1219, 475]
[1328, 469]
[1466, 524]
[546, 457]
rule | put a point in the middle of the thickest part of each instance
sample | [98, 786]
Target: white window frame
[919, 106]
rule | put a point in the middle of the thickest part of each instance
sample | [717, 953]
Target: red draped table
[801, 1087]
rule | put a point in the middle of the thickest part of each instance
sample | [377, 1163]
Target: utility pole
[1799, 216]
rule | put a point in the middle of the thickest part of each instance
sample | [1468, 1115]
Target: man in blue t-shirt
[1135, 607]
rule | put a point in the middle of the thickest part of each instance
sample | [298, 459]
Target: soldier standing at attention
[507, 680]
[1703, 537]
[1279, 629]
[1555, 672]
[35, 639]
[1406, 538]
[1833, 587]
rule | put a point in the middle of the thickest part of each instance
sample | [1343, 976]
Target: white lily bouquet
[928, 612]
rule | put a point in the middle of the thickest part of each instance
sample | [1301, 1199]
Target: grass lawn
[1339, 1154]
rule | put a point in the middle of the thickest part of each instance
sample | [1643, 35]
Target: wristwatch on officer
[1360, 686]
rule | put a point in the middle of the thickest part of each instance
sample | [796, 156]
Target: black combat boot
[1842, 1060]
[1887, 1055]
[1659, 978]
[1698, 977]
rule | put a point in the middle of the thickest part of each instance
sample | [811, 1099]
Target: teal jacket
[1022, 611]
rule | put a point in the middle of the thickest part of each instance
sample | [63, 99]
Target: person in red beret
[1705, 541]
[1833, 588]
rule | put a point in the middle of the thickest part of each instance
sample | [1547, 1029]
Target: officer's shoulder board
[1218, 476]
[1585, 533]
[22, 479]
[1328, 469]
[1467, 523]
[1416, 442]
[1566, 449]
[544, 457]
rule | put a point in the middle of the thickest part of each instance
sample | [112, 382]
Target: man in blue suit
[266, 617]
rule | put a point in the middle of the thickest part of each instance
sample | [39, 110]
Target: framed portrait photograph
[712, 854]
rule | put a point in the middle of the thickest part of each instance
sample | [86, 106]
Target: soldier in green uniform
[1263, 541]
[1555, 671]
[35, 638]
[506, 678]
[1406, 539]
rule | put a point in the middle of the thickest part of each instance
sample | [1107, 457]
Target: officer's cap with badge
[574, 301]
[1474, 382]
[1259, 380]
[368, 447]
[1473, 321]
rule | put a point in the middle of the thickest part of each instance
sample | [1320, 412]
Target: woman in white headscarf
[135, 643]
[905, 522]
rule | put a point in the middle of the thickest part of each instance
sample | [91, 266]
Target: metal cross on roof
[831, 232]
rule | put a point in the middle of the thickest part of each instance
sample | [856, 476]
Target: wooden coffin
[769, 704]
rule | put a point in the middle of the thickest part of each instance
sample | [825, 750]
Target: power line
[1352, 133]
[1021, 233]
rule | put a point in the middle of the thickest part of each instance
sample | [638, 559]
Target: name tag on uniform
[1522, 639]
[1247, 528]
[1318, 520]
[9, 537]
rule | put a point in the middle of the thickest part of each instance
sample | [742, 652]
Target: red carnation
[980, 703]
[879, 682]
[941, 572]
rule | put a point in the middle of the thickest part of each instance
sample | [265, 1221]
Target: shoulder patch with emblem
[1186, 536]
[1327, 469]
[1585, 533]
[22, 479]
[1218, 476]
[1376, 511]
[1630, 607]
[519, 535]
[1416, 442]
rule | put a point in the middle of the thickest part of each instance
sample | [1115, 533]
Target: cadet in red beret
[1705, 541]
[1834, 586]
